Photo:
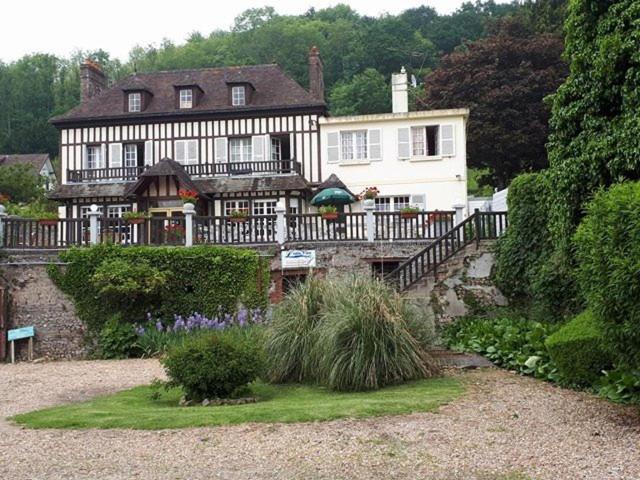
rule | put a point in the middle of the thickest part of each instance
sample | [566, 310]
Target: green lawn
[137, 409]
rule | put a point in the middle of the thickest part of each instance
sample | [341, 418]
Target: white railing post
[189, 210]
[3, 217]
[459, 208]
[369, 206]
[280, 223]
[93, 224]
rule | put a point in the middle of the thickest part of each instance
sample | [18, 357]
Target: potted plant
[369, 193]
[238, 216]
[188, 196]
[4, 199]
[48, 218]
[328, 212]
[134, 218]
[409, 212]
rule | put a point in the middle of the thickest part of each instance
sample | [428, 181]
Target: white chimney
[399, 92]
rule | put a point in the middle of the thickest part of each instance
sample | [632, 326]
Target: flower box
[330, 216]
[135, 221]
[408, 215]
[238, 219]
[49, 222]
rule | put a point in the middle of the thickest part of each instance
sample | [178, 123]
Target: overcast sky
[62, 26]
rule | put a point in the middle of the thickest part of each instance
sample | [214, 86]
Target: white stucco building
[413, 158]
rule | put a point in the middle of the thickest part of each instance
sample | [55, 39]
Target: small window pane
[237, 96]
[383, 204]
[186, 98]
[135, 102]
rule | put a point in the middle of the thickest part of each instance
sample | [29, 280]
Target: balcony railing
[277, 167]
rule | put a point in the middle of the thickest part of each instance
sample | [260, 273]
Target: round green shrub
[364, 339]
[577, 350]
[607, 245]
[293, 333]
[214, 364]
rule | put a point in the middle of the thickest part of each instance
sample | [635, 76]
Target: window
[240, 149]
[401, 202]
[94, 157]
[424, 141]
[84, 211]
[276, 148]
[381, 267]
[130, 155]
[237, 96]
[135, 102]
[186, 98]
[383, 204]
[231, 205]
[354, 145]
[186, 151]
[264, 207]
[116, 211]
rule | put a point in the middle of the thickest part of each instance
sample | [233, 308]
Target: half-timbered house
[243, 138]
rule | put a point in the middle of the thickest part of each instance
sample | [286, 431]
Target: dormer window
[238, 97]
[135, 102]
[186, 98]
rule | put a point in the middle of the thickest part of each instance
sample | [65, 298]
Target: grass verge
[137, 409]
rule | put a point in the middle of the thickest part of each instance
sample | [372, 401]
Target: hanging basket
[238, 219]
[330, 216]
[408, 215]
[135, 221]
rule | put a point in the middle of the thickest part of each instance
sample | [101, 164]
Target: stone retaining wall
[35, 300]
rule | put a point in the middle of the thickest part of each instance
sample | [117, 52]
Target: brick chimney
[399, 92]
[92, 80]
[316, 74]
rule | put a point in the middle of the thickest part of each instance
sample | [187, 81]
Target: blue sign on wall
[18, 333]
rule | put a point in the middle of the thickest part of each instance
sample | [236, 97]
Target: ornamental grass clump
[365, 340]
[293, 333]
[351, 334]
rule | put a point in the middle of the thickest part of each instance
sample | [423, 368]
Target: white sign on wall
[298, 259]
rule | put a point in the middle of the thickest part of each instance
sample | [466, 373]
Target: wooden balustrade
[29, 233]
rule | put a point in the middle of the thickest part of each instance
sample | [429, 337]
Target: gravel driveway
[505, 427]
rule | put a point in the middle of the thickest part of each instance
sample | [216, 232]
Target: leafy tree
[21, 183]
[367, 92]
[503, 79]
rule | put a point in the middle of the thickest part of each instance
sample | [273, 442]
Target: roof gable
[272, 89]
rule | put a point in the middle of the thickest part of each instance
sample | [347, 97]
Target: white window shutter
[192, 151]
[115, 155]
[375, 144]
[180, 151]
[103, 155]
[333, 147]
[148, 152]
[85, 157]
[257, 148]
[404, 144]
[418, 201]
[447, 140]
[221, 149]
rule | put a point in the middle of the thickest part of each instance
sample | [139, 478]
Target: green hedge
[607, 246]
[519, 250]
[577, 350]
[204, 279]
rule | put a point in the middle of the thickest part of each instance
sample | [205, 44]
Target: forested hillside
[359, 54]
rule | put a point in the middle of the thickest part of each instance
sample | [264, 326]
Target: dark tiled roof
[219, 185]
[210, 186]
[334, 182]
[165, 167]
[85, 190]
[273, 89]
[36, 160]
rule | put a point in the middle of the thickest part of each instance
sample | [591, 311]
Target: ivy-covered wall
[108, 280]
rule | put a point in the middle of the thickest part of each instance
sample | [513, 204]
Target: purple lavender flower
[159, 326]
[140, 330]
